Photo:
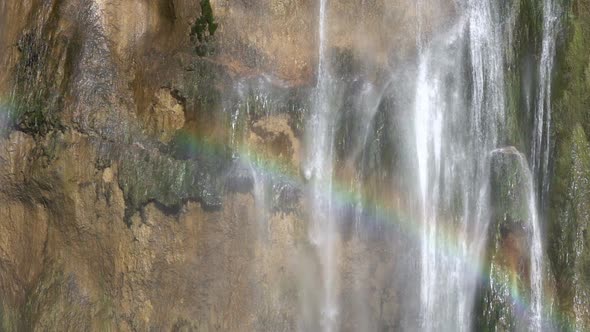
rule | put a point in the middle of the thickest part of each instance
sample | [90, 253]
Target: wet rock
[569, 227]
[273, 140]
[509, 189]
[287, 196]
[240, 178]
[507, 260]
[568, 222]
[147, 176]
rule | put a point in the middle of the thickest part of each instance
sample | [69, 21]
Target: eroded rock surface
[118, 147]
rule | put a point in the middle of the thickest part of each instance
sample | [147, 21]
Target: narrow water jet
[319, 171]
[541, 144]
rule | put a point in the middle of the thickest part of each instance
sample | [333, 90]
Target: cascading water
[541, 153]
[541, 145]
[453, 136]
[536, 251]
[399, 184]
[457, 124]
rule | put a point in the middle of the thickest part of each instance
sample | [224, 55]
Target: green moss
[572, 83]
[568, 220]
[9, 319]
[146, 176]
[520, 73]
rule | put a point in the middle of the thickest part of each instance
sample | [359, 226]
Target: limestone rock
[165, 116]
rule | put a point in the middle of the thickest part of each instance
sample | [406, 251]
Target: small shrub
[204, 29]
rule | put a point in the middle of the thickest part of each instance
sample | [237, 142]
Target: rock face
[123, 205]
[165, 116]
[118, 209]
[507, 264]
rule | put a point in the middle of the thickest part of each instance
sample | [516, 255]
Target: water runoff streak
[541, 146]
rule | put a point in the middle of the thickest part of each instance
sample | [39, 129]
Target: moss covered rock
[568, 240]
[507, 261]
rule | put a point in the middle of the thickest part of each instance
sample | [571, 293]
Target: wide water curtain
[462, 122]
[465, 170]
[462, 118]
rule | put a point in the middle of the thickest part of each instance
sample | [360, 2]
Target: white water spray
[323, 232]
[541, 146]
[453, 138]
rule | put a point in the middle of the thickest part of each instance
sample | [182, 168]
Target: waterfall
[459, 118]
[360, 165]
[319, 172]
[541, 153]
[456, 126]
[453, 136]
[536, 251]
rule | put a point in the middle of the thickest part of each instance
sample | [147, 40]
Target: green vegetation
[568, 222]
[520, 73]
[204, 29]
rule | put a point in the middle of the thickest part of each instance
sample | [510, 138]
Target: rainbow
[387, 214]
[383, 213]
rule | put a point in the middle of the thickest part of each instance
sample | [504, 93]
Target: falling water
[452, 163]
[322, 231]
[452, 167]
[531, 224]
[541, 153]
[542, 121]
[536, 251]
[459, 119]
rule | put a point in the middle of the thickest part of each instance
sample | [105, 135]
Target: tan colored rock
[165, 116]
[14, 158]
[68, 258]
[234, 269]
[273, 139]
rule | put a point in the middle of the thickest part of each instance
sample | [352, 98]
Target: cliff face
[122, 207]
[119, 207]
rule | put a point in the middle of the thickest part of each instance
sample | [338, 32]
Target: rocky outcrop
[507, 265]
[568, 230]
[66, 250]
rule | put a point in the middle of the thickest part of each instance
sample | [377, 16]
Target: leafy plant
[204, 28]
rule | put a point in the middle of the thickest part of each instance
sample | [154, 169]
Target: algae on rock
[569, 220]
